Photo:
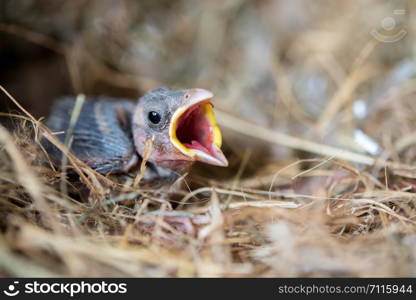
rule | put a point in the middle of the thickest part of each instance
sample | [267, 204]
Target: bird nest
[318, 122]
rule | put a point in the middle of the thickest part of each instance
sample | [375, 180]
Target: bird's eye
[154, 117]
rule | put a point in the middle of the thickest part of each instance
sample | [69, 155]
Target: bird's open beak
[193, 129]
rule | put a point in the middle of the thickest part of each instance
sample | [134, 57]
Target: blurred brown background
[273, 62]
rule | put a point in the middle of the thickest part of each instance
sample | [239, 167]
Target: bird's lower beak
[194, 131]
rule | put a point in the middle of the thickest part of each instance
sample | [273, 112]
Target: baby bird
[111, 135]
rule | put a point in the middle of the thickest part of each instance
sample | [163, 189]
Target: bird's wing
[102, 136]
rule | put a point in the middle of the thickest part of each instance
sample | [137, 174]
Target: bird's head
[181, 125]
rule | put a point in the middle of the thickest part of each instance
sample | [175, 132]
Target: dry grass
[304, 195]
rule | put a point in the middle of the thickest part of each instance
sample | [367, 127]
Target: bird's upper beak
[193, 129]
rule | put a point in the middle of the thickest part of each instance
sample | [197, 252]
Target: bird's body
[110, 134]
[102, 136]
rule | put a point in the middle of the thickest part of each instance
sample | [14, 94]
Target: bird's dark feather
[102, 136]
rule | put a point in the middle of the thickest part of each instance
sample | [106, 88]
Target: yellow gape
[209, 114]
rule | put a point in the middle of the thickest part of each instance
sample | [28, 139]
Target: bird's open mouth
[193, 129]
